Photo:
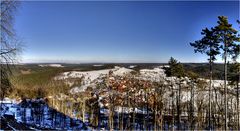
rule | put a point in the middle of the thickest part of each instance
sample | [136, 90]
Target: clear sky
[116, 31]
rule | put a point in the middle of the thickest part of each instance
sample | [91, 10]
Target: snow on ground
[97, 65]
[82, 88]
[35, 113]
[218, 83]
[120, 71]
[7, 101]
[153, 74]
[158, 73]
[51, 65]
[89, 77]
[132, 66]
[127, 110]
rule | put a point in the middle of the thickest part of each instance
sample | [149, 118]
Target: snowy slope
[90, 77]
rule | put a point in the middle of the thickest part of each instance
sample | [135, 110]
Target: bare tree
[9, 43]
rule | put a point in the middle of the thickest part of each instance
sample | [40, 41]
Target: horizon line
[113, 62]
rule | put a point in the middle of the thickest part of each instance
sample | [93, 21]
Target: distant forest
[202, 69]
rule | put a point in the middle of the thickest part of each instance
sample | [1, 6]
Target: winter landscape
[120, 65]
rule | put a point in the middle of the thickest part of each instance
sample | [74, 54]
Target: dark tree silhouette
[176, 69]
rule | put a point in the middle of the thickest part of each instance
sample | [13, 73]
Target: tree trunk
[238, 124]
[129, 113]
[210, 96]
[133, 128]
[146, 98]
[98, 119]
[133, 122]
[225, 87]
[178, 107]
[192, 108]
[155, 114]
[111, 113]
[83, 110]
[119, 120]
[122, 119]
[173, 111]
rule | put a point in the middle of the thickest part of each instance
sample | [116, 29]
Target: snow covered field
[156, 74]
[90, 77]
[50, 65]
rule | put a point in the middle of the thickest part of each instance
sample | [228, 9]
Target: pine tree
[176, 69]
[209, 45]
[227, 36]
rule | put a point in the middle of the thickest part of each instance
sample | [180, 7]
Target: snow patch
[97, 65]
[90, 77]
[132, 66]
[51, 65]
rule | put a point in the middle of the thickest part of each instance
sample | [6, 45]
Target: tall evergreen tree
[176, 69]
[209, 45]
[228, 38]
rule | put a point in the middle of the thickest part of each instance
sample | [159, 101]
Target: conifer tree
[227, 36]
[209, 45]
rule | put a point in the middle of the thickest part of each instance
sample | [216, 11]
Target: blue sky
[116, 31]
